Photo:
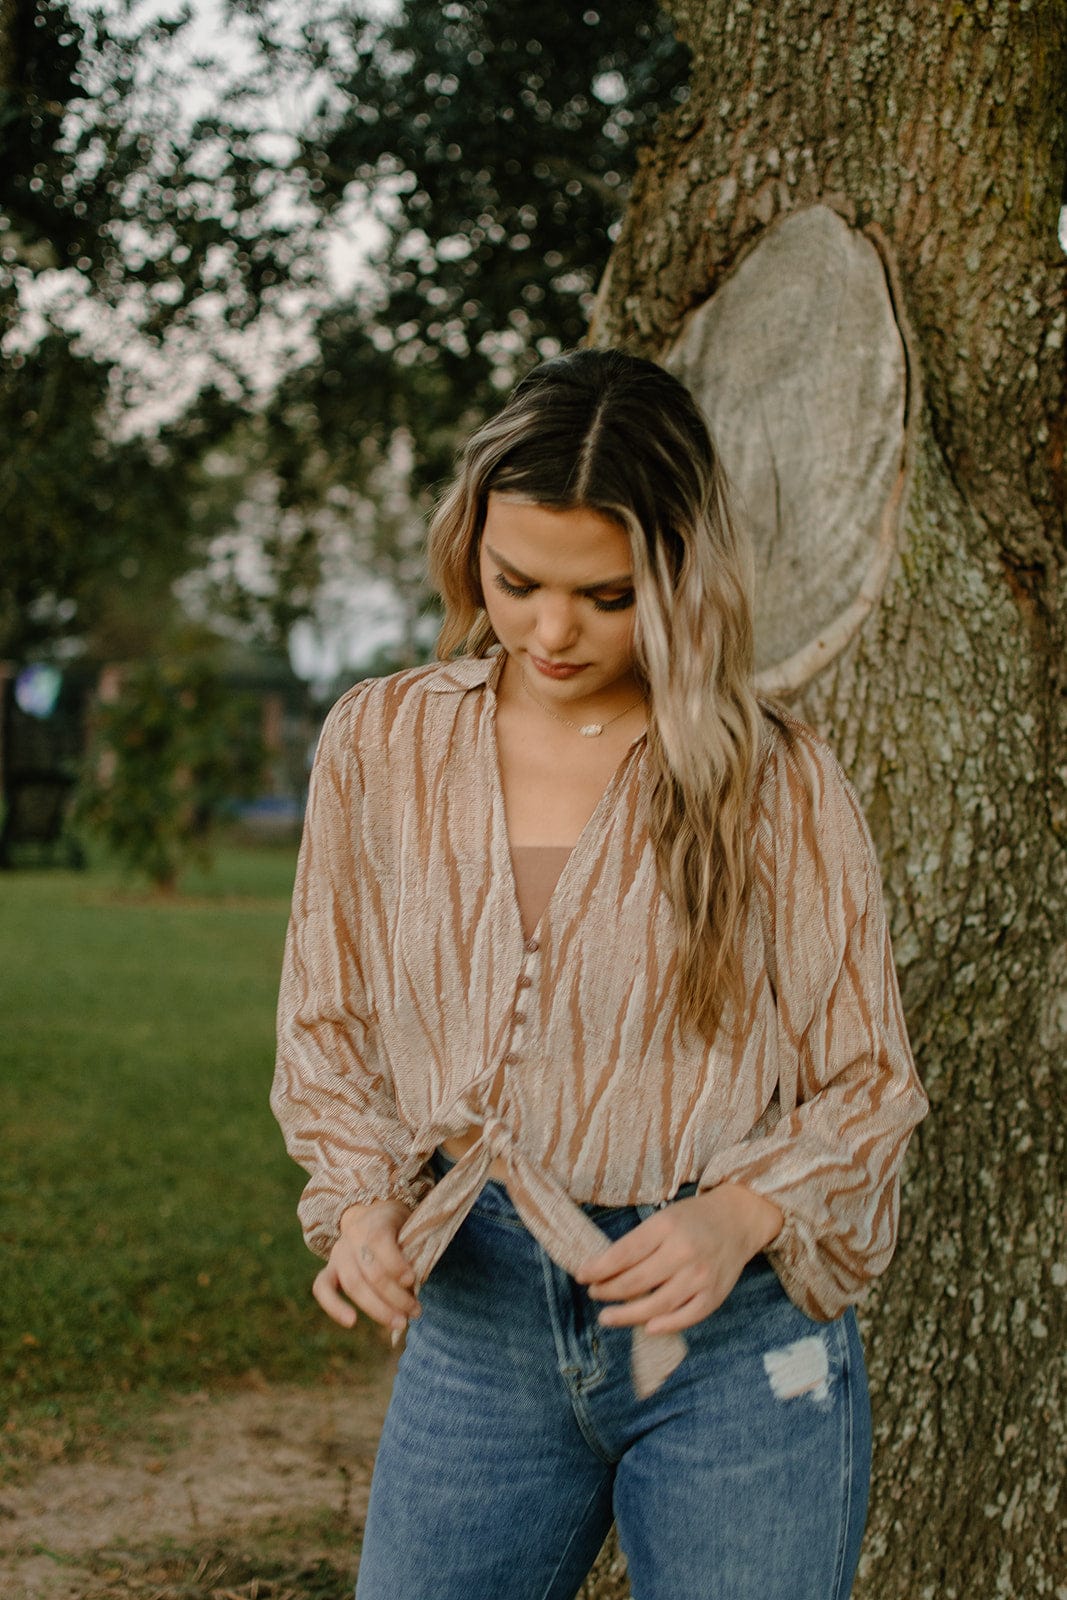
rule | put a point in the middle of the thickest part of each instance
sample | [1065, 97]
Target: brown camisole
[536, 868]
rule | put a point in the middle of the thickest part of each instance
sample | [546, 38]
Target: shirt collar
[467, 672]
[480, 672]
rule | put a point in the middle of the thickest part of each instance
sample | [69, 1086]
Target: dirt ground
[256, 1494]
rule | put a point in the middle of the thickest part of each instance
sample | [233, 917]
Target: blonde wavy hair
[610, 432]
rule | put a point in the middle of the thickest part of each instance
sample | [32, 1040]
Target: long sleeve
[331, 1094]
[849, 1092]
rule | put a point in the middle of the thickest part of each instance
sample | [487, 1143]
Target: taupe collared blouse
[412, 1007]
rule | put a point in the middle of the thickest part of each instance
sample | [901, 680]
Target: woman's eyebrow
[589, 588]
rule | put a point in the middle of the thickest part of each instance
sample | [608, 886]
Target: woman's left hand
[678, 1266]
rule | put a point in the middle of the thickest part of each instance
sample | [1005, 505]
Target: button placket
[520, 1015]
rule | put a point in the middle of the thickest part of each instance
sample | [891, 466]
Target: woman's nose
[557, 623]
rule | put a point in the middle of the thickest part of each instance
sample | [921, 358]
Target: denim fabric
[513, 1438]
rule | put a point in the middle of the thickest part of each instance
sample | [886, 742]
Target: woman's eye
[620, 602]
[519, 590]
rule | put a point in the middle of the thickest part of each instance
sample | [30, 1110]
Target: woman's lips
[557, 669]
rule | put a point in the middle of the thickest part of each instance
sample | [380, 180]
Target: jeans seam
[562, 1355]
[578, 1526]
[570, 1370]
[586, 1429]
[584, 1381]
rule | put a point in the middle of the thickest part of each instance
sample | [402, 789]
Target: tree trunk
[910, 157]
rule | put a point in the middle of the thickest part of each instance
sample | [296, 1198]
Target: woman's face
[558, 588]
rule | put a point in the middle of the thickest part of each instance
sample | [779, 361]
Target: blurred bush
[172, 751]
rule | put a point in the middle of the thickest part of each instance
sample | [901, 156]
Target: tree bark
[937, 132]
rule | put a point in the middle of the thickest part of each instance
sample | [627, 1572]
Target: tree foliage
[129, 235]
[104, 173]
[498, 145]
[173, 748]
[97, 528]
[139, 238]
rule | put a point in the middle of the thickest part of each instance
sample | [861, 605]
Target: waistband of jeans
[494, 1196]
[495, 1200]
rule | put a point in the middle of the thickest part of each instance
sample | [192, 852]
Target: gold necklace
[588, 730]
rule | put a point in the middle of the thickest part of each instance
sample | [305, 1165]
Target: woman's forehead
[580, 544]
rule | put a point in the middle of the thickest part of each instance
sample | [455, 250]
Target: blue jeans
[514, 1437]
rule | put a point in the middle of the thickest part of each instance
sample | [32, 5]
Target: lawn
[147, 1207]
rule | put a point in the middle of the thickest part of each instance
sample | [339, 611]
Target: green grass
[147, 1207]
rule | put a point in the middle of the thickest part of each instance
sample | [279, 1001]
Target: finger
[387, 1252]
[686, 1316]
[642, 1279]
[331, 1301]
[381, 1310]
[708, 1294]
[633, 1313]
[364, 1277]
[626, 1252]
[366, 1296]
[374, 1256]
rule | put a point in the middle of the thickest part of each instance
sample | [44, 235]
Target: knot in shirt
[497, 1137]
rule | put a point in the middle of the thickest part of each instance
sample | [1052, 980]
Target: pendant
[591, 730]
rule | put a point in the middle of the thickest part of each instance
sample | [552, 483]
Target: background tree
[150, 238]
[131, 234]
[497, 147]
[846, 239]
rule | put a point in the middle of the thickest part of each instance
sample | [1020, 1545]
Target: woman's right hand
[367, 1269]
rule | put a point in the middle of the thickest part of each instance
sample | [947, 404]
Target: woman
[591, 1042]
